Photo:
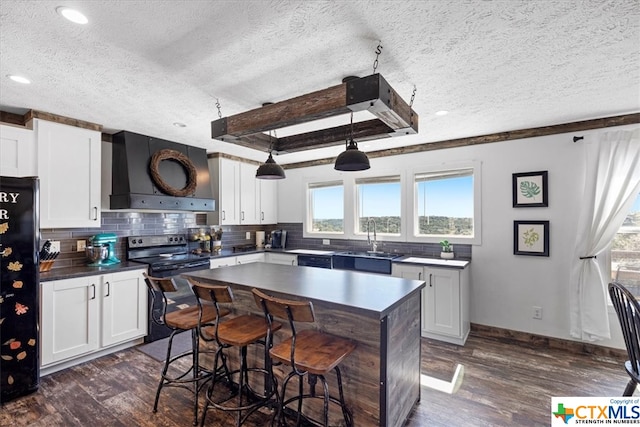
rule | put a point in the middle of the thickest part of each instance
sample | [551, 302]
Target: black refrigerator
[19, 290]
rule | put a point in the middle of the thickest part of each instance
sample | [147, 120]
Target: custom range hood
[151, 173]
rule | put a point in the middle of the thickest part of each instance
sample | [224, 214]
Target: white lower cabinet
[235, 260]
[445, 300]
[280, 258]
[222, 262]
[84, 315]
[246, 259]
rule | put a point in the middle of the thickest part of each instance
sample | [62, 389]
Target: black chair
[186, 319]
[628, 311]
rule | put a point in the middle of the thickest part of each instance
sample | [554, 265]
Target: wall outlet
[81, 245]
[248, 235]
[537, 312]
[55, 246]
[326, 241]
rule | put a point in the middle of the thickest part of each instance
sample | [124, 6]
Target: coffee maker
[101, 250]
[278, 239]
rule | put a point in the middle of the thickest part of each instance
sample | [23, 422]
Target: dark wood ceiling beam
[627, 119]
[362, 131]
[302, 109]
[372, 93]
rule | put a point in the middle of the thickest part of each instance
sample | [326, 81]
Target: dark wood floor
[503, 385]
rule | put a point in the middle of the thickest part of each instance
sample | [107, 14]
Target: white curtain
[612, 183]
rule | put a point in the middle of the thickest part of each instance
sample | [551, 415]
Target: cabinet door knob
[95, 213]
[430, 280]
[108, 289]
[93, 287]
[223, 215]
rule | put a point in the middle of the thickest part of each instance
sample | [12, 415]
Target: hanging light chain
[378, 52]
[413, 96]
[218, 107]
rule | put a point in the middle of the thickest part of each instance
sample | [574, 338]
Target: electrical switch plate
[326, 242]
[248, 235]
[55, 246]
[81, 245]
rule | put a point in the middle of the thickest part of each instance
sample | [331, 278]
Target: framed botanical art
[530, 190]
[531, 238]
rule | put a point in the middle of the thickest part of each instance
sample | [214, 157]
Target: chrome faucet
[374, 244]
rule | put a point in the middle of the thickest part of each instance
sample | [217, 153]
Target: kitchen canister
[260, 239]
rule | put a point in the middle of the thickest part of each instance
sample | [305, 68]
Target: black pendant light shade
[270, 170]
[352, 159]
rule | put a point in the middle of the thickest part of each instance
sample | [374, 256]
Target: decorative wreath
[177, 156]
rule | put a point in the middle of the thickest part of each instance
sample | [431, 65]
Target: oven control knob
[139, 241]
[171, 239]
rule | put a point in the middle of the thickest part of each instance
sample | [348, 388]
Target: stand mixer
[101, 250]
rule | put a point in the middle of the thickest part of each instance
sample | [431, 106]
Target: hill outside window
[379, 200]
[444, 204]
[325, 212]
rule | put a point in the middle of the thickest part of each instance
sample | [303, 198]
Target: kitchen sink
[369, 261]
[370, 254]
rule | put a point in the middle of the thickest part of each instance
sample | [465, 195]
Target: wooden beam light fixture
[394, 117]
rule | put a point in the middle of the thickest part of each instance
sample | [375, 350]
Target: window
[379, 200]
[625, 251]
[326, 207]
[444, 204]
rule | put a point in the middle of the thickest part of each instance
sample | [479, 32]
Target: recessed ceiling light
[19, 79]
[442, 113]
[72, 15]
[179, 125]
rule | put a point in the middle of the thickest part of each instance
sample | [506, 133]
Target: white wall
[504, 287]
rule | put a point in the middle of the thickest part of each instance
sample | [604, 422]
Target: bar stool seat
[186, 319]
[316, 352]
[235, 332]
[310, 353]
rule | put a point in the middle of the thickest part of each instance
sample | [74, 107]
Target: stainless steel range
[166, 255]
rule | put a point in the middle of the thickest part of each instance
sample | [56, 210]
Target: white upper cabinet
[240, 197]
[268, 201]
[225, 180]
[17, 152]
[69, 168]
[249, 195]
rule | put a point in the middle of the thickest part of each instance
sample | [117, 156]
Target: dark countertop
[85, 270]
[371, 294]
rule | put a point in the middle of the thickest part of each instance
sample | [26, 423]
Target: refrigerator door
[19, 287]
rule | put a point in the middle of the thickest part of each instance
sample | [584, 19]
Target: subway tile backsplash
[125, 224]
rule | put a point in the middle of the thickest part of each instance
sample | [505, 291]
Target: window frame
[308, 217]
[377, 179]
[447, 170]
[407, 201]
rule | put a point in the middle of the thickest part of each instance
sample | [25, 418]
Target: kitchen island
[380, 313]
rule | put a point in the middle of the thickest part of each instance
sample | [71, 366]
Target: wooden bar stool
[309, 353]
[186, 319]
[239, 332]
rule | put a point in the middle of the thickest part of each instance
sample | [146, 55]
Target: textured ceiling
[495, 65]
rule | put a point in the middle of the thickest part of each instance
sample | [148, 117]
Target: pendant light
[352, 159]
[270, 169]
